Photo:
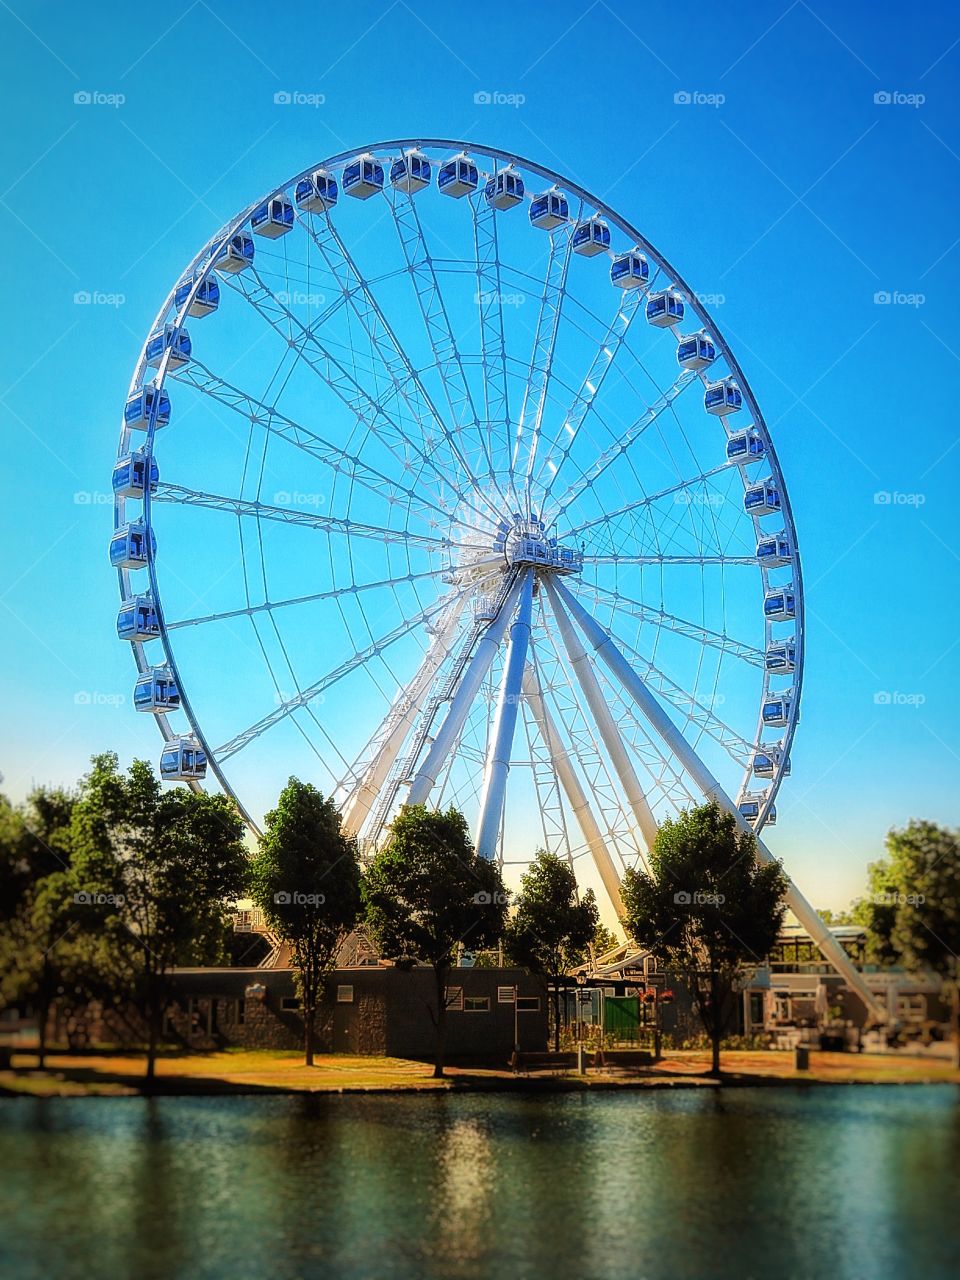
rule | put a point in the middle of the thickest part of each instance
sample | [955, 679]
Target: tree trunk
[153, 1036]
[43, 1015]
[715, 1024]
[309, 1015]
[556, 1017]
[440, 972]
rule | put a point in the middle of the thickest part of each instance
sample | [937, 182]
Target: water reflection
[846, 1182]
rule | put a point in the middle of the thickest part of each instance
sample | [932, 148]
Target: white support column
[608, 652]
[459, 708]
[494, 792]
[577, 797]
[603, 717]
[403, 715]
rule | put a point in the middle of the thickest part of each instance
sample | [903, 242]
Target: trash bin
[802, 1056]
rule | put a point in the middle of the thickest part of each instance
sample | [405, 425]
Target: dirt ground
[240, 1071]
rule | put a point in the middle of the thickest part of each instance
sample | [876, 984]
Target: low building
[372, 1009]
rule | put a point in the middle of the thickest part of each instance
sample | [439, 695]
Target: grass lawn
[269, 1070]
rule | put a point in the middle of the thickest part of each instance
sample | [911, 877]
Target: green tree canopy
[912, 908]
[306, 880]
[427, 891]
[552, 926]
[154, 871]
[706, 907]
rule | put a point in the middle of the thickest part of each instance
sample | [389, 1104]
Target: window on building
[455, 998]
[476, 1004]
[505, 995]
[528, 1004]
[290, 1004]
[345, 995]
[241, 1012]
[912, 1008]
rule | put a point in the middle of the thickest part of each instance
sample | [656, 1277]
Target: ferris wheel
[457, 481]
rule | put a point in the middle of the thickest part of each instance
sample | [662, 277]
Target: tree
[831, 917]
[39, 952]
[306, 880]
[604, 940]
[425, 892]
[552, 927]
[153, 873]
[912, 912]
[706, 907]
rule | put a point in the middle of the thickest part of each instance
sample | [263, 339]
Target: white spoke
[356, 660]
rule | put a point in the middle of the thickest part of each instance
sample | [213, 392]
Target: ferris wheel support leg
[603, 717]
[577, 797]
[459, 708]
[497, 768]
[404, 712]
[608, 652]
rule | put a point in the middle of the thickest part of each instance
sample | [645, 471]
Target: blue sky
[753, 150]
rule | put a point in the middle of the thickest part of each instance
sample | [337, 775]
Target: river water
[751, 1184]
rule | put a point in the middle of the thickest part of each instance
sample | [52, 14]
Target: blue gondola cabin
[318, 193]
[156, 691]
[776, 710]
[762, 499]
[458, 177]
[411, 172]
[549, 210]
[591, 237]
[169, 339]
[129, 474]
[696, 351]
[775, 551]
[664, 308]
[629, 270]
[183, 760]
[128, 546]
[148, 402]
[722, 397]
[205, 300]
[235, 255]
[504, 190]
[780, 604]
[137, 619]
[744, 447]
[363, 177]
[781, 657]
[273, 219]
